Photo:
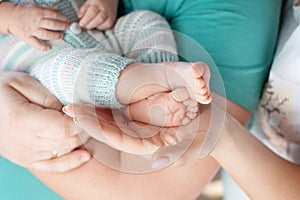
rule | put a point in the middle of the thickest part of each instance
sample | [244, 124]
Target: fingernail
[75, 119]
[85, 157]
[161, 162]
[65, 110]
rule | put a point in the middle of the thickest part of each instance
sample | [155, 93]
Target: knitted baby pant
[85, 67]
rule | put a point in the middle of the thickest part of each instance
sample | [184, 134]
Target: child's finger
[83, 10]
[48, 35]
[97, 20]
[55, 8]
[107, 24]
[88, 17]
[53, 14]
[51, 24]
[34, 42]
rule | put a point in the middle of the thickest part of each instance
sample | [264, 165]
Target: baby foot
[193, 76]
[164, 109]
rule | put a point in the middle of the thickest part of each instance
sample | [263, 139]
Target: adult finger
[33, 90]
[195, 141]
[62, 147]
[78, 109]
[63, 163]
[54, 125]
[114, 130]
[115, 136]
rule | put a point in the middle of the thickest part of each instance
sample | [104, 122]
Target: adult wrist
[227, 138]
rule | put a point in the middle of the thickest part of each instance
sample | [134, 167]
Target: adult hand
[99, 14]
[164, 146]
[33, 130]
[34, 23]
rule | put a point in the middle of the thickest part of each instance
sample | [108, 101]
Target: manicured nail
[161, 162]
[65, 110]
[85, 157]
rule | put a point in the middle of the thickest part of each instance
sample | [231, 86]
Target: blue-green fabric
[17, 183]
[240, 37]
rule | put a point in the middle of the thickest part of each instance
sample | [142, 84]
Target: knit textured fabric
[85, 67]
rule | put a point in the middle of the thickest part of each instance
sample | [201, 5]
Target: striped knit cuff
[83, 75]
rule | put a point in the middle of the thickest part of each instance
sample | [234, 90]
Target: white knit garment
[85, 67]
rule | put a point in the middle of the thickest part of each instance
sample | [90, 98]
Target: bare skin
[98, 14]
[24, 101]
[31, 23]
[170, 91]
[98, 181]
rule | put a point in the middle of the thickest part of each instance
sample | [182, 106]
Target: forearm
[102, 182]
[261, 173]
[96, 181]
[6, 9]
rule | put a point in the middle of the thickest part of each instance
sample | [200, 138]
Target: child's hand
[31, 23]
[99, 14]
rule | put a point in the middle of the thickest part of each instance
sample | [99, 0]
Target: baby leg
[146, 37]
[82, 75]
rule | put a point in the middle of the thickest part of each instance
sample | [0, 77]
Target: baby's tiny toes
[191, 115]
[185, 121]
[190, 102]
[199, 82]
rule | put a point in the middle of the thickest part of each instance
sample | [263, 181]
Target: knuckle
[50, 101]
[42, 34]
[50, 23]
[94, 11]
[70, 145]
[110, 23]
[62, 26]
[14, 121]
[50, 14]
[46, 34]
[63, 129]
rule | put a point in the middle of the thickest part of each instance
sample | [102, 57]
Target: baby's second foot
[194, 76]
[164, 109]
